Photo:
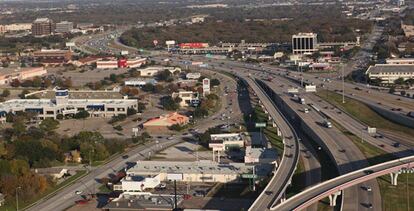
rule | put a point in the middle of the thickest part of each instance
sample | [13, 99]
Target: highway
[276, 188]
[345, 154]
[315, 193]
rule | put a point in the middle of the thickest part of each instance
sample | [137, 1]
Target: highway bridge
[334, 186]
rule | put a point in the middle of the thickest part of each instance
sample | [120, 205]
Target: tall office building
[42, 27]
[304, 43]
[64, 27]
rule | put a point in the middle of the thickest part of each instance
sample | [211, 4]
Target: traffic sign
[260, 124]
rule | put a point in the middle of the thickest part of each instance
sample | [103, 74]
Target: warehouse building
[52, 56]
[149, 174]
[388, 73]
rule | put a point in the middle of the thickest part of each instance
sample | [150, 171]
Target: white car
[78, 192]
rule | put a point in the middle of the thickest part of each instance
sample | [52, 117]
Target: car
[162, 186]
[382, 145]
[268, 192]
[342, 150]
[289, 155]
[78, 192]
[170, 138]
[396, 144]
[368, 205]
[199, 193]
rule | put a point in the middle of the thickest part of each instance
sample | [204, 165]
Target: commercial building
[15, 27]
[388, 73]
[7, 75]
[107, 64]
[193, 75]
[43, 27]
[62, 104]
[52, 56]
[260, 155]
[197, 171]
[152, 71]
[188, 98]
[64, 27]
[120, 63]
[163, 122]
[304, 43]
[225, 141]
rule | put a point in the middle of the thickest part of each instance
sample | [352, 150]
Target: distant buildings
[54, 173]
[64, 27]
[61, 104]
[42, 27]
[401, 61]
[140, 82]
[193, 75]
[152, 71]
[7, 75]
[388, 73]
[163, 122]
[304, 43]
[15, 27]
[52, 56]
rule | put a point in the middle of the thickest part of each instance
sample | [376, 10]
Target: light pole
[343, 84]
[17, 198]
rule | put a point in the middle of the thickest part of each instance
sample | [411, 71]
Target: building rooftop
[41, 20]
[204, 166]
[86, 94]
[143, 202]
[391, 68]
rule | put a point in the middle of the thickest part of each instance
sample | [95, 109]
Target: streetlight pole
[343, 85]
[17, 198]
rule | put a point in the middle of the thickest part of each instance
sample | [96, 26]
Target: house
[55, 173]
[164, 121]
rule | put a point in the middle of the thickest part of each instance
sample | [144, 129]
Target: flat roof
[50, 94]
[204, 166]
[391, 68]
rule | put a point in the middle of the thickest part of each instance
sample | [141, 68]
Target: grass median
[363, 113]
[394, 198]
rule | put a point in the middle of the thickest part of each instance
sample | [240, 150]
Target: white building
[188, 98]
[388, 73]
[62, 104]
[152, 71]
[304, 43]
[193, 75]
[149, 174]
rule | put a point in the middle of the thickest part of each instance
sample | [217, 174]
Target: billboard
[170, 42]
[310, 88]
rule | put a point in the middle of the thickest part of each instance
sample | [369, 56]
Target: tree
[141, 107]
[399, 81]
[214, 82]
[131, 111]
[82, 114]
[5, 93]
[169, 103]
[49, 124]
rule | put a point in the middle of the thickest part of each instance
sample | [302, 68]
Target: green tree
[5, 93]
[399, 81]
[82, 114]
[49, 124]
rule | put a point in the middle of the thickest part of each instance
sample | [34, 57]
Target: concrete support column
[218, 156]
[394, 178]
[214, 157]
[333, 197]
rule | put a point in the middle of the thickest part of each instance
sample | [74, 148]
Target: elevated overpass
[332, 187]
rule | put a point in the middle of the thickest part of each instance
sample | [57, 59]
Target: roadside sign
[249, 176]
[260, 124]
[372, 130]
